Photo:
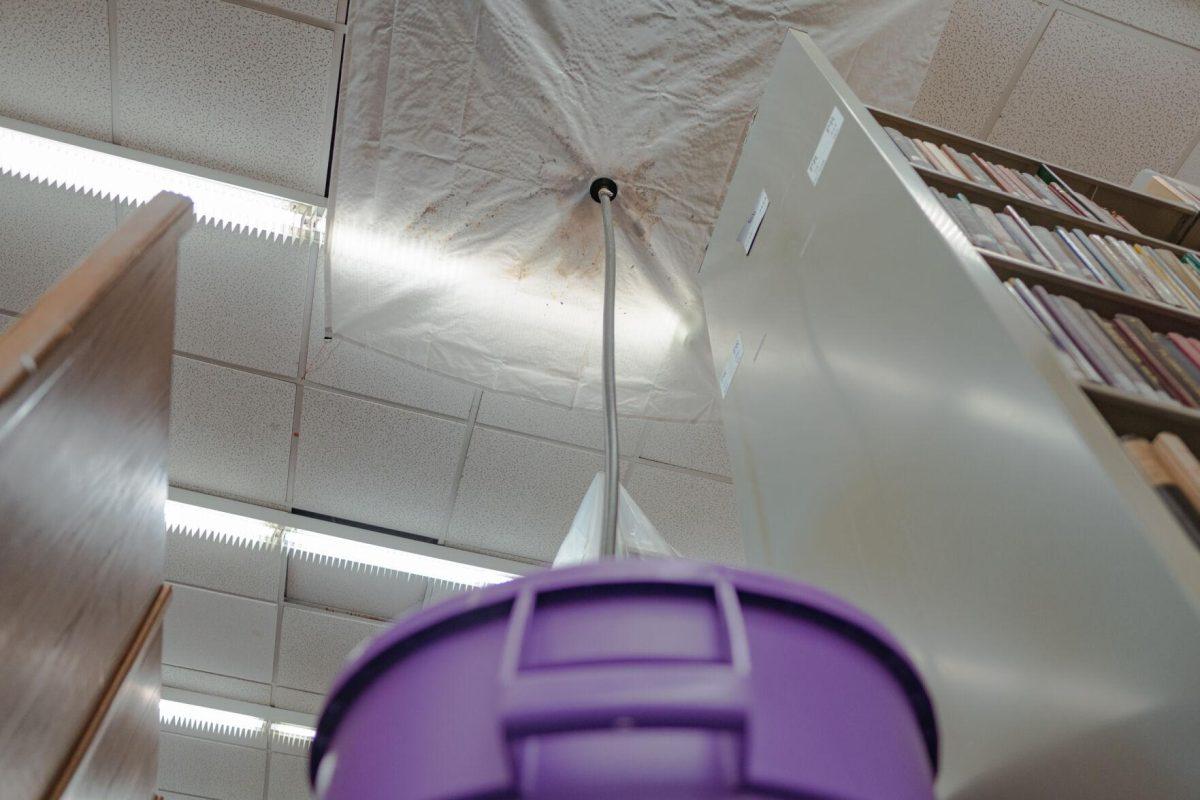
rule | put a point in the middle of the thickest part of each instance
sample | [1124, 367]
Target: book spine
[1109, 268]
[1159, 477]
[967, 166]
[927, 150]
[1132, 379]
[1142, 340]
[1148, 376]
[993, 172]
[1057, 335]
[1188, 372]
[1181, 464]
[1141, 283]
[1186, 274]
[1018, 186]
[1189, 348]
[943, 161]
[1032, 253]
[1161, 289]
[1109, 373]
[1072, 206]
[905, 145]
[1084, 258]
[988, 217]
[976, 231]
[1038, 188]
[1061, 259]
[1177, 284]
[1025, 229]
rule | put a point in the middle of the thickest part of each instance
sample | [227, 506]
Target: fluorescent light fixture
[347, 552]
[207, 523]
[246, 531]
[297, 735]
[128, 180]
[211, 720]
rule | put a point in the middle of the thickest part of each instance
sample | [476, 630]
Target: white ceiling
[1103, 86]
[266, 411]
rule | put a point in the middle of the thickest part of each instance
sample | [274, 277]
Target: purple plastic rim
[466, 609]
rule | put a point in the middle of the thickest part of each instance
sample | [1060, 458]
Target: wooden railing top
[52, 318]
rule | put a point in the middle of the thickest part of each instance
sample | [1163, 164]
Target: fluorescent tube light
[211, 720]
[128, 180]
[297, 735]
[347, 552]
[231, 528]
[247, 531]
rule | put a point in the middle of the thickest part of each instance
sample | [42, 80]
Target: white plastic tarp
[463, 239]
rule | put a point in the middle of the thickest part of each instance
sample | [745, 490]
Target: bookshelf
[1155, 216]
[903, 434]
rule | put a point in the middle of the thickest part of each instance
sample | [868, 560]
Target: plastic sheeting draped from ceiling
[463, 238]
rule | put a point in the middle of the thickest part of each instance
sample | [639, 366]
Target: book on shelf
[1166, 187]
[1122, 352]
[1044, 187]
[1171, 468]
[1151, 273]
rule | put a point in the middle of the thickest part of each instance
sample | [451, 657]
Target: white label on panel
[750, 229]
[731, 365]
[828, 137]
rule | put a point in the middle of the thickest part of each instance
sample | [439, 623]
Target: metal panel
[901, 435]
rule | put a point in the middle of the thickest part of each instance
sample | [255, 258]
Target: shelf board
[1133, 415]
[1103, 300]
[1036, 213]
[1156, 215]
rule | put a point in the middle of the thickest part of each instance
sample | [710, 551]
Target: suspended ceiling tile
[6, 320]
[220, 633]
[230, 432]
[287, 777]
[241, 298]
[1104, 101]
[217, 685]
[224, 566]
[572, 426]
[518, 495]
[54, 59]
[378, 464]
[382, 594]
[696, 515]
[697, 445]
[296, 700]
[345, 365]
[1190, 171]
[227, 87]
[313, 646]
[1175, 19]
[324, 9]
[210, 769]
[44, 231]
[979, 51]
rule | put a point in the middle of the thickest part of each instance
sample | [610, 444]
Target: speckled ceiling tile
[241, 298]
[1103, 101]
[324, 9]
[226, 87]
[1190, 171]
[975, 58]
[1175, 19]
[230, 432]
[54, 59]
[375, 463]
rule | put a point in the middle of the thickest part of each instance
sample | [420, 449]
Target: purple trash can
[631, 679]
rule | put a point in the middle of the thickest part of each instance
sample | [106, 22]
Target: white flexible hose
[608, 531]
